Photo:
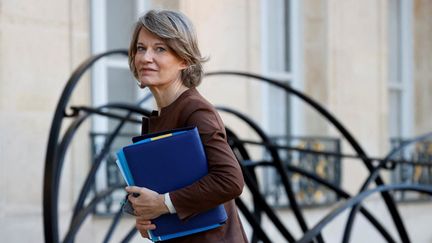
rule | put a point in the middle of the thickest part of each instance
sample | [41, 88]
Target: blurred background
[368, 62]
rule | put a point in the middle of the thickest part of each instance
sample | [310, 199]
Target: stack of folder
[164, 162]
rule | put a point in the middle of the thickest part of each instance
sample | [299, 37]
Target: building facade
[368, 62]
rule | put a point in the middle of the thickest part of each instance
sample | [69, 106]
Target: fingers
[149, 204]
[144, 213]
[146, 227]
[144, 222]
[144, 194]
[134, 193]
[144, 234]
[132, 199]
[143, 225]
[142, 219]
[133, 189]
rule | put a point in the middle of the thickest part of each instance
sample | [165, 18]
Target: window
[277, 59]
[112, 25]
[400, 102]
[400, 69]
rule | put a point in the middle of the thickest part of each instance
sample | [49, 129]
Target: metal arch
[336, 189]
[348, 136]
[407, 143]
[113, 225]
[91, 175]
[372, 176]
[358, 199]
[345, 195]
[50, 194]
[251, 182]
[70, 132]
[255, 218]
[279, 166]
[55, 156]
[258, 232]
[82, 214]
[55, 150]
[74, 225]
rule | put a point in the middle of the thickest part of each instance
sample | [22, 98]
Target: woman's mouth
[147, 70]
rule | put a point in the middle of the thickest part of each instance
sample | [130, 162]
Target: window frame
[402, 82]
[294, 77]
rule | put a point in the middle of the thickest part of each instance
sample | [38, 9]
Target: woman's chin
[143, 83]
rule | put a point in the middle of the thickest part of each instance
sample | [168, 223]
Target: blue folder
[165, 162]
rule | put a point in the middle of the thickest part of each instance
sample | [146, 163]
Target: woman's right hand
[143, 225]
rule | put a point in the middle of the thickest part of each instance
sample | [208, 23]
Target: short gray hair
[177, 31]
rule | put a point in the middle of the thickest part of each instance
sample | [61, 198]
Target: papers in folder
[165, 162]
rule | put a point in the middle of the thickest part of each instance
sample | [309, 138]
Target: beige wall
[40, 43]
[357, 68]
[345, 68]
[231, 43]
[315, 62]
[357, 76]
[422, 29]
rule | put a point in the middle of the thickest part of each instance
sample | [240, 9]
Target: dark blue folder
[164, 162]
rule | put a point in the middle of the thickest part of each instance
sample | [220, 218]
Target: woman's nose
[147, 56]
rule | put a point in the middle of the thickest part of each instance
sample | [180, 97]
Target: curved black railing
[374, 174]
[57, 148]
[358, 199]
[344, 132]
[52, 170]
[259, 201]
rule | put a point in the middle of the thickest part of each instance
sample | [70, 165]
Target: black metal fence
[308, 193]
[314, 161]
[414, 173]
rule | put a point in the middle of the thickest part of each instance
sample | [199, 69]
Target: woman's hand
[143, 225]
[149, 204]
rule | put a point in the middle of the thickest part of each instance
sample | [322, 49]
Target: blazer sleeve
[224, 180]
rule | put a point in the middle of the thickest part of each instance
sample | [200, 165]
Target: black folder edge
[156, 134]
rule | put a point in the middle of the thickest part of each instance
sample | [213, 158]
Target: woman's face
[156, 64]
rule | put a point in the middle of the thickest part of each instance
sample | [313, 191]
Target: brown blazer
[224, 181]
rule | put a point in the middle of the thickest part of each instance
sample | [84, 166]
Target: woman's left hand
[149, 204]
[143, 226]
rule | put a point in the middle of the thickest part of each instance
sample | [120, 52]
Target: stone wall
[357, 77]
[345, 68]
[422, 30]
[40, 43]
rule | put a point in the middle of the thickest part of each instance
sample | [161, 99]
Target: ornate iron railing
[308, 193]
[109, 175]
[88, 199]
[411, 173]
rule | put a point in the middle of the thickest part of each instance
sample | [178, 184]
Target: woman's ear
[183, 65]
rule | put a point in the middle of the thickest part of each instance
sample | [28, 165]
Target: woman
[164, 56]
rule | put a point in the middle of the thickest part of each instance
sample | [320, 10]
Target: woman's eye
[140, 48]
[160, 49]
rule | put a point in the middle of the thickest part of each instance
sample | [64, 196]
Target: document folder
[165, 162]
